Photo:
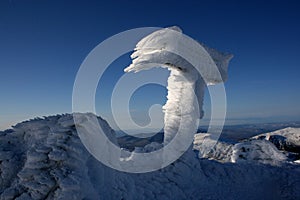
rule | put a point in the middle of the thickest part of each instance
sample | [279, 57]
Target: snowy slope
[257, 151]
[274, 148]
[285, 139]
[44, 159]
[221, 152]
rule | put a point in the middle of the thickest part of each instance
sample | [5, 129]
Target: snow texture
[285, 139]
[164, 48]
[45, 159]
[259, 150]
[222, 151]
[274, 148]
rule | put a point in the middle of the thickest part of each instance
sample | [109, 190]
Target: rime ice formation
[274, 148]
[45, 159]
[261, 150]
[285, 139]
[170, 48]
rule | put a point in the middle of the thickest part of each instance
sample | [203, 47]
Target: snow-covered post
[164, 48]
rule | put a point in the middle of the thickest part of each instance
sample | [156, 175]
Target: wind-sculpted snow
[222, 151]
[259, 151]
[192, 67]
[45, 159]
[286, 140]
[274, 148]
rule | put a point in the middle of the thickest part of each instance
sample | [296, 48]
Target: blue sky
[43, 43]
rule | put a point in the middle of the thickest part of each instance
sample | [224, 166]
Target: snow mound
[274, 148]
[44, 159]
[287, 139]
[222, 151]
[257, 150]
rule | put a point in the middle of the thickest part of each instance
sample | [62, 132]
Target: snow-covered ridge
[284, 139]
[274, 148]
[45, 159]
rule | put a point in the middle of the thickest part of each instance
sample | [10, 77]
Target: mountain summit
[45, 159]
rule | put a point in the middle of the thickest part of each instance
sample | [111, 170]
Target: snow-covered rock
[260, 151]
[287, 139]
[274, 148]
[222, 151]
[45, 159]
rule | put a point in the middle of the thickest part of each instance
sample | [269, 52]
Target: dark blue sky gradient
[42, 44]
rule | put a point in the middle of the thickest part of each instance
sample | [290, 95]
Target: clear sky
[43, 43]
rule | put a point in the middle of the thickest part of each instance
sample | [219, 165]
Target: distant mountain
[130, 142]
[245, 131]
[45, 159]
[286, 140]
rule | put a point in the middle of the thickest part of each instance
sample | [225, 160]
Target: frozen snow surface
[45, 159]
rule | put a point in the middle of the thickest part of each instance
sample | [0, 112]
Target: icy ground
[45, 159]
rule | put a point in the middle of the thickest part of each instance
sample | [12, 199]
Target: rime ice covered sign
[192, 66]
